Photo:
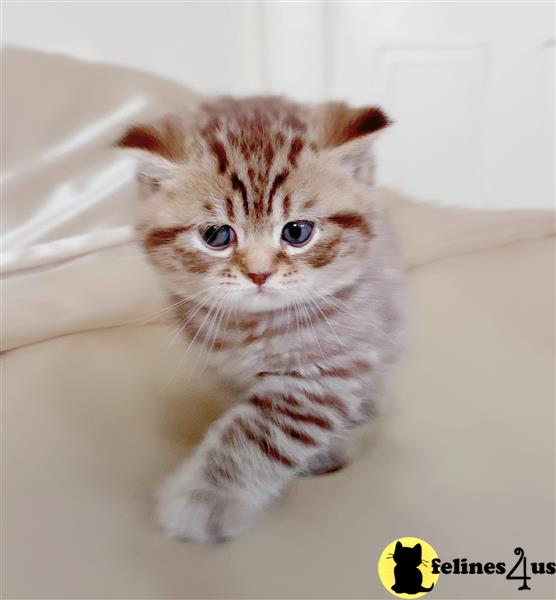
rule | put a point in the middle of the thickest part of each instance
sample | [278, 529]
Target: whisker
[191, 316]
[192, 341]
[152, 316]
[211, 337]
[298, 330]
[314, 302]
[342, 306]
[310, 323]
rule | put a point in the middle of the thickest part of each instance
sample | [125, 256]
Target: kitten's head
[407, 556]
[259, 202]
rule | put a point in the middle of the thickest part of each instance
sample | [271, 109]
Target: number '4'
[519, 552]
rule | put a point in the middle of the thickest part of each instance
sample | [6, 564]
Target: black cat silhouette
[408, 577]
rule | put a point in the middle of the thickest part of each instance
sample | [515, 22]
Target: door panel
[470, 86]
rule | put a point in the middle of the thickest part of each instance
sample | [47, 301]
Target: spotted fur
[307, 349]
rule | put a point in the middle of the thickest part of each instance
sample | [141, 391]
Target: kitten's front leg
[334, 458]
[244, 461]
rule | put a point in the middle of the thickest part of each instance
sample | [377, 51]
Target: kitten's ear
[158, 147]
[348, 134]
[398, 546]
[418, 550]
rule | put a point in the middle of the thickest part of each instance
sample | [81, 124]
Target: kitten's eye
[219, 237]
[297, 233]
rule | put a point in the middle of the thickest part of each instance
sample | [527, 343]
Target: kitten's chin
[254, 300]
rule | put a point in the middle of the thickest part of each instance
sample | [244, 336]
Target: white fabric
[68, 258]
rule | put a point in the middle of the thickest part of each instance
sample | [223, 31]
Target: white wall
[210, 46]
[470, 85]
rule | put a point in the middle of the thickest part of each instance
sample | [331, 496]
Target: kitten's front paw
[201, 512]
[329, 461]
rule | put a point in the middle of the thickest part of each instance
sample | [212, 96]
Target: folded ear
[347, 135]
[158, 147]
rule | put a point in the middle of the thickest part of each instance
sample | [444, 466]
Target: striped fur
[309, 348]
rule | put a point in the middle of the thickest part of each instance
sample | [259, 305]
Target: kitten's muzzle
[260, 278]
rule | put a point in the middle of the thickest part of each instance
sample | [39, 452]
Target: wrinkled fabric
[68, 257]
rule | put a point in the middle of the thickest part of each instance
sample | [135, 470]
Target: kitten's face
[246, 206]
[408, 556]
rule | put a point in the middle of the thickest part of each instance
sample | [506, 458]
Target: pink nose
[259, 278]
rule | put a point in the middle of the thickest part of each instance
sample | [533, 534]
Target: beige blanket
[463, 456]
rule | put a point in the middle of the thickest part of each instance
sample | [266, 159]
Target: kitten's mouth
[268, 296]
[261, 290]
[259, 299]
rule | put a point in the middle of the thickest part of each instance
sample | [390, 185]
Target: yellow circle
[405, 567]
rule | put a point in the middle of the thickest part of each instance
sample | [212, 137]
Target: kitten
[259, 216]
[409, 578]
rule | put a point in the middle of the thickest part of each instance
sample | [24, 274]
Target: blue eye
[219, 237]
[297, 233]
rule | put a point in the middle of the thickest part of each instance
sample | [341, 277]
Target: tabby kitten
[260, 217]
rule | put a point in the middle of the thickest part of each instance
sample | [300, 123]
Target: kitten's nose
[259, 278]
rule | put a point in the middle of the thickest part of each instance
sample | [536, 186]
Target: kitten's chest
[261, 350]
[323, 337]
[280, 345]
